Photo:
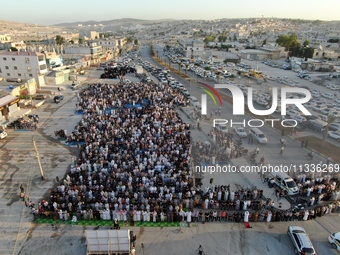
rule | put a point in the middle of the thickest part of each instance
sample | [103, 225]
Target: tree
[135, 41]
[288, 41]
[71, 42]
[80, 40]
[13, 49]
[59, 40]
[330, 120]
[218, 78]
[264, 42]
[306, 43]
[209, 38]
[222, 38]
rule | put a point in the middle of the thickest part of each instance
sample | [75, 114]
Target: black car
[57, 99]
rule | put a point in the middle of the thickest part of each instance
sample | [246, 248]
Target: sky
[64, 11]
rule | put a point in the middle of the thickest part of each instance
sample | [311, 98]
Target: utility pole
[38, 158]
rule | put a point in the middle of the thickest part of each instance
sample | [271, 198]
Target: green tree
[288, 41]
[222, 38]
[218, 77]
[209, 38]
[80, 40]
[71, 42]
[306, 43]
[13, 49]
[59, 40]
[330, 120]
[136, 42]
[152, 53]
[308, 52]
[264, 42]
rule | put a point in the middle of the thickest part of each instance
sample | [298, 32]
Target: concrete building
[57, 77]
[53, 60]
[273, 53]
[94, 52]
[5, 38]
[172, 40]
[221, 56]
[191, 48]
[110, 47]
[23, 65]
[19, 45]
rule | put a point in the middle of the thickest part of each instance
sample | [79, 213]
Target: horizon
[105, 10]
[164, 19]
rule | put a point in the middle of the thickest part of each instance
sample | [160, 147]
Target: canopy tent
[108, 241]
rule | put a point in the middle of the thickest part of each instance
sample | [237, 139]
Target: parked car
[39, 97]
[319, 108]
[75, 86]
[302, 243]
[334, 134]
[334, 240]
[334, 127]
[58, 98]
[328, 95]
[240, 131]
[3, 134]
[17, 80]
[194, 101]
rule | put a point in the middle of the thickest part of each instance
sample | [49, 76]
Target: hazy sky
[53, 12]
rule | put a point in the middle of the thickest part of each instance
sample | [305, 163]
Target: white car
[3, 134]
[262, 102]
[334, 134]
[240, 131]
[194, 101]
[319, 108]
[301, 241]
[328, 95]
[334, 240]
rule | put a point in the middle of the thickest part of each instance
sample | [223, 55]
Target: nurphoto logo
[239, 102]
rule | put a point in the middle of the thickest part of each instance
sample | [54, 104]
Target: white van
[300, 119]
[258, 135]
[194, 101]
[222, 127]
[285, 183]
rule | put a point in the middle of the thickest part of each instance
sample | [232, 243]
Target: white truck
[139, 69]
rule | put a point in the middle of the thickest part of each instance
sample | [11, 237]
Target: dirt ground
[315, 143]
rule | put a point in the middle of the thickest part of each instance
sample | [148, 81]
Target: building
[255, 54]
[8, 105]
[110, 47]
[221, 56]
[23, 65]
[53, 60]
[172, 41]
[94, 51]
[191, 48]
[5, 38]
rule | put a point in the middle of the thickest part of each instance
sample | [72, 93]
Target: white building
[94, 50]
[23, 65]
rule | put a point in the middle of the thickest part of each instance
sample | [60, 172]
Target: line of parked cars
[164, 77]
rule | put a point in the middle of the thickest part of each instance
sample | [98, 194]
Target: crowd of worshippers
[134, 161]
[135, 153]
[316, 190]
